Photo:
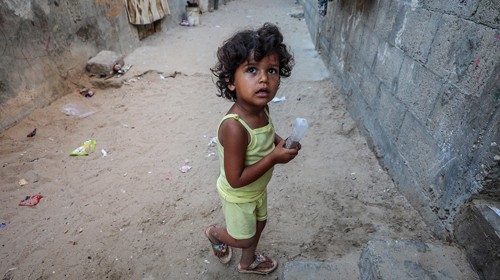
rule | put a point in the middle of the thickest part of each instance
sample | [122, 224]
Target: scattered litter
[185, 22]
[493, 144]
[212, 142]
[73, 110]
[353, 176]
[119, 70]
[31, 200]
[162, 77]
[22, 182]
[86, 92]
[206, 261]
[168, 176]
[278, 99]
[104, 153]
[85, 149]
[298, 16]
[117, 67]
[185, 168]
[31, 134]
[211, 154]
[132, 80]
[3, 225]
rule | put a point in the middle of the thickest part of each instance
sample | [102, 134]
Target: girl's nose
[263, 77]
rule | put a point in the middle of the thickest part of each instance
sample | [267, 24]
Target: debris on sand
[32, 133]
[31, 200]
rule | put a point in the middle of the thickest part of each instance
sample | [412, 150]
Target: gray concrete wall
[421, 77]
[44, 45]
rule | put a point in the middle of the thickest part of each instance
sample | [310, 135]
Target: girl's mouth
[262, 92]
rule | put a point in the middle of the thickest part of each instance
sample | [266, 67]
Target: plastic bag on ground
[85, 149]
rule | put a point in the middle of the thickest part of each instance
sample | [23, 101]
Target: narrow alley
[132, 214]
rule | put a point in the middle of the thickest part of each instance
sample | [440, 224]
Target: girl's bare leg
[248, 254]
[248, 246]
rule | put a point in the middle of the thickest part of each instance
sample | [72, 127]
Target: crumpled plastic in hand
[85, 149]
[31, 200]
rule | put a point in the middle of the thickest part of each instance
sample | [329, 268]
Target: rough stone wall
[421, 77]
[44, 45]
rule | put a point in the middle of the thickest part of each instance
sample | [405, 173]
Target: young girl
[250, 65]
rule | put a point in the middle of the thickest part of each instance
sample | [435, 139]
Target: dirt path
[134, 215]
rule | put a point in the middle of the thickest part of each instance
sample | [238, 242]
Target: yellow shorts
[241, 218]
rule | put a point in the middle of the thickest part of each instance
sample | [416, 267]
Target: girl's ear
[231, 87]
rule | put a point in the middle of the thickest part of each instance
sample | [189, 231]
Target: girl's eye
[273, 71]
[252, 70]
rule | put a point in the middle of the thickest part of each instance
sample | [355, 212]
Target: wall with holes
[421, 77]
[44, 46]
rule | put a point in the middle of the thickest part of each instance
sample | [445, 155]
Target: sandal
[254, 267]
[222, 251]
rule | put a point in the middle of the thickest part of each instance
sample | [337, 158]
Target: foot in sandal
[222, 251]
[261, 265]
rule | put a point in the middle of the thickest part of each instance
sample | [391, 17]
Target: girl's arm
[235, 140]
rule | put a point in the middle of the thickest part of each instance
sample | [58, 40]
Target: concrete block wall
[422, 79]
[44, 45]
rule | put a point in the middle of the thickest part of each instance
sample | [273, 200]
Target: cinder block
[369, 48]
[460, 8]
[335, 65]
[388, 63]
[418, 88]
[386, 17]
[413, 32]
[459, 118]
[449, 116]
[390, 112]
[477, 228]
[488, 13]
[353, 65]
[338, 41]
[410, 259]
[418, 148]
[356, 31]
[369, 13]
[465, 53]
[369, 86]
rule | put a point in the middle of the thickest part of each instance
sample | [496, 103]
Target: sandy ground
[134, 215]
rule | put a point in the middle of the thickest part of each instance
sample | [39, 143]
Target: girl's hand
[280, 154]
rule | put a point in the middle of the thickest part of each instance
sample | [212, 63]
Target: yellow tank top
[261, 144]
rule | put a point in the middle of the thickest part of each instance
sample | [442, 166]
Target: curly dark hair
[247, 44]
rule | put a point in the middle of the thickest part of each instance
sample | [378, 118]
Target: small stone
[493, 144]
[22, 182]
[496, 158]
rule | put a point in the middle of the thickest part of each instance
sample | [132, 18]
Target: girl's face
[256, 82]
